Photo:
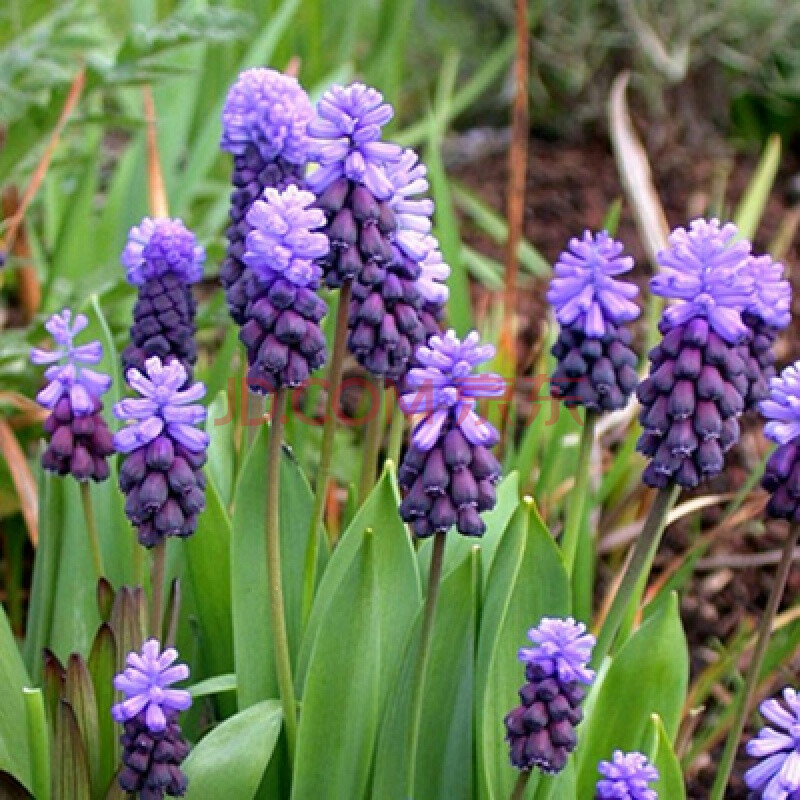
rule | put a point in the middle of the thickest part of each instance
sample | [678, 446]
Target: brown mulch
[570, 187]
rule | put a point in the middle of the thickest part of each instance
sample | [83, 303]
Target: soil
[570, 187]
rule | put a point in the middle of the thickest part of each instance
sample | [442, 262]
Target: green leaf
[71, 773]
[45, 569]
[255, 667]
[231, 760]
[339, 719]
[80, 695]
[655, 660]
[670, 778]
[751, 208]
[397, 572]
[209, 564]
[102, 666]
[215, 685]
[14, 757]
[446, 731]
[527, 581]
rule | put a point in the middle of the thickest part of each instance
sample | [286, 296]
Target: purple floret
[281, 320]
[449, 473]
[79, 439]
[146, 683]
[160, 246]
[777, 775]
[346, 140]
[706, 269]
[269, 110]
[541, 731]
[626, 777]
[153, 746]
[585, 293]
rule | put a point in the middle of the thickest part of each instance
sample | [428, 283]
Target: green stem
[521, 785]
[577, 500]
[423, 654]
[745, 698]
[158, 569]
[280, 637]
[38, 743]
[91, 529]
[372, 445]
[644, 551]
[396, 431]
[335, 372]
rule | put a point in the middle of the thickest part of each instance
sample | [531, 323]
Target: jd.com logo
[528, 394]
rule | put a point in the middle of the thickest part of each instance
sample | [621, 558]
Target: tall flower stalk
[596, 367]
[697, 384]
[284, 343]
[449, 473]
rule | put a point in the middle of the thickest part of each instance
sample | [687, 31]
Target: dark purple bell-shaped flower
[264, 124]
[541, 730]
[79, 442]
[153, 746]
[782, 475]
[162, 259]
[596, 366]
[162, 474]
[767, 314]
[281, 329]
[449, 473]
[697, 384]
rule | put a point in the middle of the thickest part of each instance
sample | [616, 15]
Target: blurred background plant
[709, 77]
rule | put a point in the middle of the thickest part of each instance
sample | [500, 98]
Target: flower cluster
[79, 440]
[626, 777]
[282, 331]
[162, 473]
[264, 122]
[782, 474]
[596, 366]
[162, 259]
[541, 730]
[777, 775]
[698, 381]
[153, 746]
[377, 223]
[449, 472]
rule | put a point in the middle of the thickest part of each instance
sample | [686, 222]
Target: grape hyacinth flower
[596, 366]
[80, 441]
[162, 474]
[626, 777]
[282, 331]
[367, 189]
[768, 313]
[541, 730]
[782, 474]
[162, 259]
[777, 775]
[449, 473]
[264, 128]
[697, 383]
[153, 746]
